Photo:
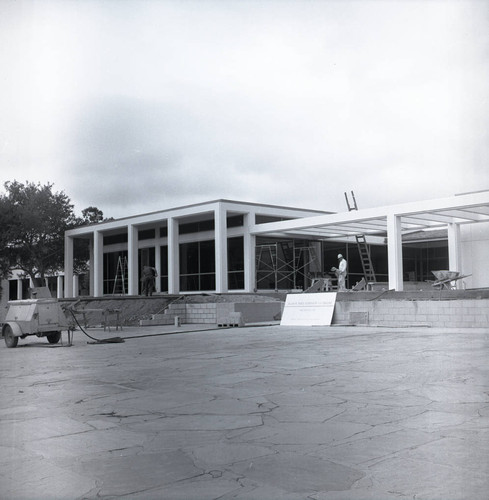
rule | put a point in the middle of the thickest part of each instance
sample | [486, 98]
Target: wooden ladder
[362, 245]
[120, 277]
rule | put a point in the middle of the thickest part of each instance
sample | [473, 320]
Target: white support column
[249, 242]
[454, 249]
[158, 265]
[132, 260]
[59, 286]
[68, 266]
[173, 257]
[91, 273]
[394, 252]
[98, 264]
[221, 249]
[19, 289]
[76, 285]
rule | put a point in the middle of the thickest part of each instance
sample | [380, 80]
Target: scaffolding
[283, 265]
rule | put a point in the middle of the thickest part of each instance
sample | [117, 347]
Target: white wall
[475, 254]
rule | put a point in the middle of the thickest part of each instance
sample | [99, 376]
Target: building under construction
[229, 246]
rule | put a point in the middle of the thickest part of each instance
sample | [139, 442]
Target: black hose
[113, 340]
[176, 333]
[116, 340]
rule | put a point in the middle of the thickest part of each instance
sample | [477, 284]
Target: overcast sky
[137, 106]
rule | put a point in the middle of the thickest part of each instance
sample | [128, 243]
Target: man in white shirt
[341, 273]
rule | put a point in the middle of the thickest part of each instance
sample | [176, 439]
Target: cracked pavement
[265, 413]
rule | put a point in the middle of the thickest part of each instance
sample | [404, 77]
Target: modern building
[230, 246]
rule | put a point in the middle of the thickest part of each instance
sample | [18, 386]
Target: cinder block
[236, 319]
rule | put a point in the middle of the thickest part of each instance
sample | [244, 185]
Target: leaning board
[308, 309]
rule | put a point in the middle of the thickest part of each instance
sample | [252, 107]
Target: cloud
[140, 106]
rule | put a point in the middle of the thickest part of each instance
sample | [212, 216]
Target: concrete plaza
[263, 413]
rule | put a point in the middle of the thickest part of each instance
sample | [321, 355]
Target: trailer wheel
[53, 338]
[10, 339]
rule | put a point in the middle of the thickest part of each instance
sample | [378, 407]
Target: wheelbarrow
[445, 278]
[40, 317]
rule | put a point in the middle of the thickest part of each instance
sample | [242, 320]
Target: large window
[196, 227]
[378, 255]
[235, 220]
[420, 259]
[114, 239]
[146, 257]
[197, 266]
[235, 263]
[115, 273]
[164, 268]
[146, 234]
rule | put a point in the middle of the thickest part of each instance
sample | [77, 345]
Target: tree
[5, 222]
[92, 215]
[33, 220]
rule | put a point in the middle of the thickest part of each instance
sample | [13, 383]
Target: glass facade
[115, 239]
[418, 260]
[196, 227]
[421, 258]
[146, 257]
[146, 234]
[164, 268]
[115, 273]
[197, 261]
[235, 220]
[236, 263]
[197, 266]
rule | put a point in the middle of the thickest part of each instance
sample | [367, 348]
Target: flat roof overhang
[391, 221]
[460, 209]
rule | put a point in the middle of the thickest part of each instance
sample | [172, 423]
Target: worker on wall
[148, 280]
[340, 272]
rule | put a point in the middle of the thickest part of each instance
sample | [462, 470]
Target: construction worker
[148, 280]
[340, 272]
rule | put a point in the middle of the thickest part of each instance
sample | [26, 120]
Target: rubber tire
[53, 338]
[10, 339]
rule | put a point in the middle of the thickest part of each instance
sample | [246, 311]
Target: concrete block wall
[221, 313]
[200, 314]
[168, 317]
[225, 312]
[437, 313]
[188, 313]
